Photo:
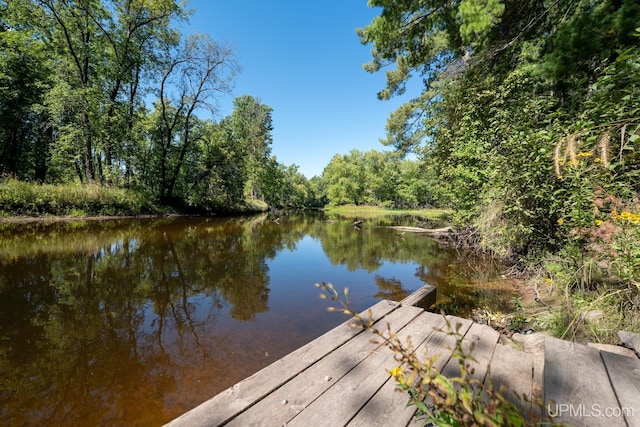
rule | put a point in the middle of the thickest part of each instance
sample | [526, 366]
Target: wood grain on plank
[624, 373]
[442, 345]
[389, 405]
[513, 370]
[350, 393]
[577, 390]
[480, 342]
[294, 396]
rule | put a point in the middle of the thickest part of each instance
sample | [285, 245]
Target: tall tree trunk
[79, 171]
[12, 155]
[89, 168]
[185, 145]
[42, 148]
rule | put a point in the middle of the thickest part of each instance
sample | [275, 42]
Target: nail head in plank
[536, 390]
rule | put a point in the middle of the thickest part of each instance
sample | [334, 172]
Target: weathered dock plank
[479, 341]
[444, 342]
[514, 370]
[577, 390]
[286, 402]
[224, 406]
[442, 346]
[350, 393]
[424, 297]
[389, 405]
[537, 409]
[624, 374]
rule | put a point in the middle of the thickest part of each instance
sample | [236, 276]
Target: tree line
[110, 92]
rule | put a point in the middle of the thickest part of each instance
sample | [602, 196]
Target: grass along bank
[31, 200]
[19, 198]
[589, 314]
[588, 289]
[367, 211]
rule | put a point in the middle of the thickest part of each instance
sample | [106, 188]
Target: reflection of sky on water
[294, 272]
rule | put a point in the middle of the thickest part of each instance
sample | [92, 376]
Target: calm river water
[133, 322]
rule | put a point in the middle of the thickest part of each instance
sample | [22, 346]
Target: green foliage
[413, 35]
[23, 198]
[191, 75]
[25, 77]
[375, 178]
[477, 17]
[587, 316]
[497, 171]
[88, 122]
[529, 124]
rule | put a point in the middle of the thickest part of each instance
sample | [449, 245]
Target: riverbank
[366, 211]
[25, 202]
[52, 218]
[548, 299]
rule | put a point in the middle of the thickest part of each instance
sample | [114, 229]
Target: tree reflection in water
[132, 322]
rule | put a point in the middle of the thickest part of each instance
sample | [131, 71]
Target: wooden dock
[341, 378]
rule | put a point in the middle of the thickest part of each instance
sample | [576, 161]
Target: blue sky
[303, 59]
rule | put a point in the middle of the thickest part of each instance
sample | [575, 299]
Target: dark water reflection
[132, 322]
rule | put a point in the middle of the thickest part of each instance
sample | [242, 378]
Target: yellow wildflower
[597, 160]
[598, 222]
[396, 372]
[560, 221]
[585, 154]
[626, 216]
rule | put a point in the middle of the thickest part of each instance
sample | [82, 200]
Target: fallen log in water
[420, 230]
